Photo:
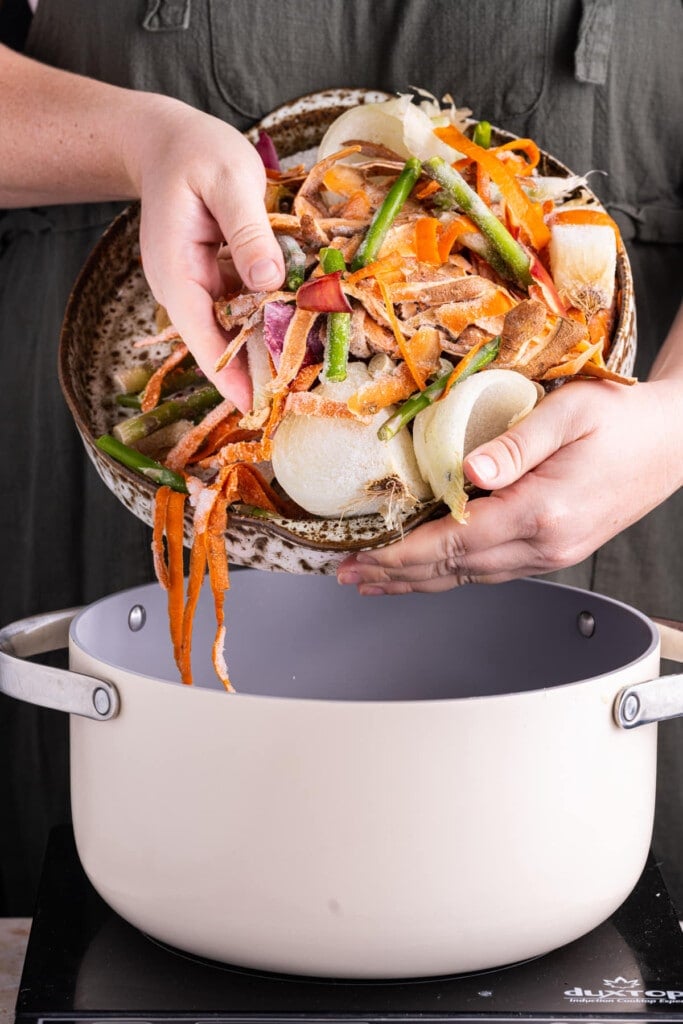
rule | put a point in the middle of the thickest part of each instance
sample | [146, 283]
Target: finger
[241, 214]
[229, 278]
[444, 543]
[505, 562]
[191, 311]
[502, 461]
[438, 585]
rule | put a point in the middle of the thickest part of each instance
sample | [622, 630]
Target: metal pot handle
[657, 699]
[51, 687]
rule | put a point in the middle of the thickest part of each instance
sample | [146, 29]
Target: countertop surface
[13, 938]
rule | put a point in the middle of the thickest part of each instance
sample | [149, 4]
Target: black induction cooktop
[84, 963]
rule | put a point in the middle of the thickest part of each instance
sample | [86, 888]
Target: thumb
[503, 460]
[242, 216]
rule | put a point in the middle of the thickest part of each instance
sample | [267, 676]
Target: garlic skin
[337, 467]
[475, 411]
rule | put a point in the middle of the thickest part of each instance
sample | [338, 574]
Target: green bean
[387, 213]
[338, 324]
[141, 463]
[416, 403]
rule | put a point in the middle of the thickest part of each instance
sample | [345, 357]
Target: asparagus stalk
[509, 256]
[176, 381]
[131, 379]
[482, 134]
[416, 403]
[142, 463]
[295, 261]
[189, 407]
[387, 213]
[338, 324]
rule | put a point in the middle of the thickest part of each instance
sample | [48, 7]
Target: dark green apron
[597, 83]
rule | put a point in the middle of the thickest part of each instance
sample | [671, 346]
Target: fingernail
[264, 273]
[365, 559]
[349, 576]
[484, 466]
[370, 591]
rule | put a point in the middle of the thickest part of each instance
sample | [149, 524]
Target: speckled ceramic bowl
[111, 305]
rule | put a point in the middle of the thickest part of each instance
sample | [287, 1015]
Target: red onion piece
[276, 318]
[544, 288]
[266, 150]
[323, 294]
[315, 341]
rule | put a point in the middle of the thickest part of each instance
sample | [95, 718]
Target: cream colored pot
[408, 786]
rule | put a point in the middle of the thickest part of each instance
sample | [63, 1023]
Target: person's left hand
[591, 459]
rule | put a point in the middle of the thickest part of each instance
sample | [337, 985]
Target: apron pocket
[265, 54]
[490, 56]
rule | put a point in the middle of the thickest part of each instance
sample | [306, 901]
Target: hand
[201, 183]
[590, 460]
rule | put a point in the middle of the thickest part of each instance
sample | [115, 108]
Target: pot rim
[214, 691]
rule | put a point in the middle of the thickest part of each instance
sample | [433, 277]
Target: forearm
[669, 362]
[64, 138]
[666, 380]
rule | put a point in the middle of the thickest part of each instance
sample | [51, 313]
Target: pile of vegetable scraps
[437, 286]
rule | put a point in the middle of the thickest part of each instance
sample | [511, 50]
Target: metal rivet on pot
[586, 624]
[630, 708]
[102, 701]
[137, 617]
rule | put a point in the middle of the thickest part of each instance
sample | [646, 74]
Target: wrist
[147, 120]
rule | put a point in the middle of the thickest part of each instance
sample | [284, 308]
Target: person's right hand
[201, 183]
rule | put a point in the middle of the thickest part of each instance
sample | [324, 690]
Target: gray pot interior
[308, 637]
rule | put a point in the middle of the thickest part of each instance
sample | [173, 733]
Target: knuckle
[392, 557]
[398, 587]
[514, 448]
[245, 236]
[453, 550]
[453, 561]
[556, 543]
[552, 559]
[237, 162]
[553, 518]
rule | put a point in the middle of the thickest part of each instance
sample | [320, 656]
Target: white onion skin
[335, 467]
[397, 124]
[474, 412]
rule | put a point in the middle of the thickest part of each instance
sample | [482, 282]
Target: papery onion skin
[399, 124]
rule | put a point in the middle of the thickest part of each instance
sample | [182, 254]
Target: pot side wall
[363, 840]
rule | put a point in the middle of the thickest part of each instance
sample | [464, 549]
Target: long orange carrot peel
[485, 354]
[237, 482]
[506, 255]
[415, 369]
[523, 212]
[152, 393]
